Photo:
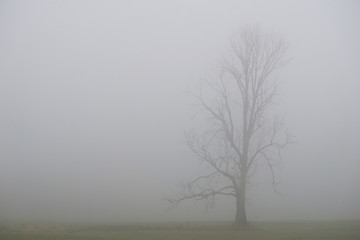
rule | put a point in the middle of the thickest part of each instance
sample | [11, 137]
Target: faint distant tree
[241, 132]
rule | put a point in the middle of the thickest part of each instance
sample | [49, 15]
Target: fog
[94, 104]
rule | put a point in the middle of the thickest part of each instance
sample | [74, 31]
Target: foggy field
[179, 119]
[196, 230]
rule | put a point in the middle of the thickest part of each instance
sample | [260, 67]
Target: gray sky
[94, 103]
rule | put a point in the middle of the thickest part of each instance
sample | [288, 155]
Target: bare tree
[240, 134]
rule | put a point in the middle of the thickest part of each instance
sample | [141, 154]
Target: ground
[297, 230]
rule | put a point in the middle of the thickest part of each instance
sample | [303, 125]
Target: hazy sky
[94, 103]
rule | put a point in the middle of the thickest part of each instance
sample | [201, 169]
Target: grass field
[300, 230]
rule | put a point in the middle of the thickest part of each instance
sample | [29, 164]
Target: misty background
[94, 104]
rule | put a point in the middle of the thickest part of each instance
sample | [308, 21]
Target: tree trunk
[240, 218]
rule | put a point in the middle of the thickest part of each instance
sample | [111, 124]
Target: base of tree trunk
[240, 226]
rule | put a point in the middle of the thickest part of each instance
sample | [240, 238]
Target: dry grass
[349, 230]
